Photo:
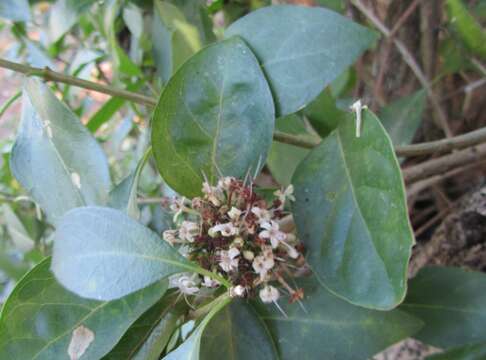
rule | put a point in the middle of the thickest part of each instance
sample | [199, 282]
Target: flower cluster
[234, 233]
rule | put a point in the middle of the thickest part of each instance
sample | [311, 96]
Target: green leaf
[467, 28]
[323, 113]
[55, 158]
[196, 13]
[104, 254]
[403, 117]
[236, 332]
[64, 14]
[283, 158]
[300, 62]
[149, 335]
[190, 349]
[331, 328]
[351, 214]
[215, 116]
[124, 195]
[40, 316]
[18, 233]
[15, 10]
[468, 352]
[176, 40]
[452, 304]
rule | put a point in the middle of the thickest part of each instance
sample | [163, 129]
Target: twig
[49, 75]
[444, 163]
[409, 59]
[418, 186]
[457, 142]
[404, 17]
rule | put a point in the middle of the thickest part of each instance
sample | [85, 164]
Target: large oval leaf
[301, 49]
[215, 116]
[104, 254]
[40, 318]
[55, 158]
[452, 304]
[331, 328]
[351, 213]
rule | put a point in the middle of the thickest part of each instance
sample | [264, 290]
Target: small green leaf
[15, 10]
[331, 328]
[403, 117]
[215, 116]
[124, 195]
[64, 14]
[351, 214]
[148, 336]
[452, 304]
[40, 316]
[104, 254]
[323, 113]
[301, 49]
[236, 332]
[176, 40]
[18, 233]
[467, 28]
[55, 158]
[284, 158]
[190, 349]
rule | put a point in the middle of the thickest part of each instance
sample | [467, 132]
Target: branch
[49, 75]
[444, 163]
[409, 59]
[457, 142]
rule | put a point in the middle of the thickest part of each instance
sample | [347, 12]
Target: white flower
[263, 263]
[188, 231]
[272, 233]
[227, 229]
[288, 193]
[248, 255]
[177, 207]
[186, 283]
[237, 291]
[209, 282]
[263, 215]
[234, 214]
[269, 294]
[357, 107]
[228, 260]
[224, 183]
[290, 250]
[213, 194]
[170, 236]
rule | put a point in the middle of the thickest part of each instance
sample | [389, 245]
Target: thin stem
[49, 75]
[9, 102]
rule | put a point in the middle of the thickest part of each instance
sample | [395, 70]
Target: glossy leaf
[467, 28]
[176, 39]
[351, 214]
[40, 316]
[403, 117]
[236, 332]
[468, 352]
[191, 347]
[55, 158]
[215, 116]
[124, 195]
[331, 328]
[15, 10]
[104, 254]
[301, 49]
[148, 336]
[452, 304]
[284, 158]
